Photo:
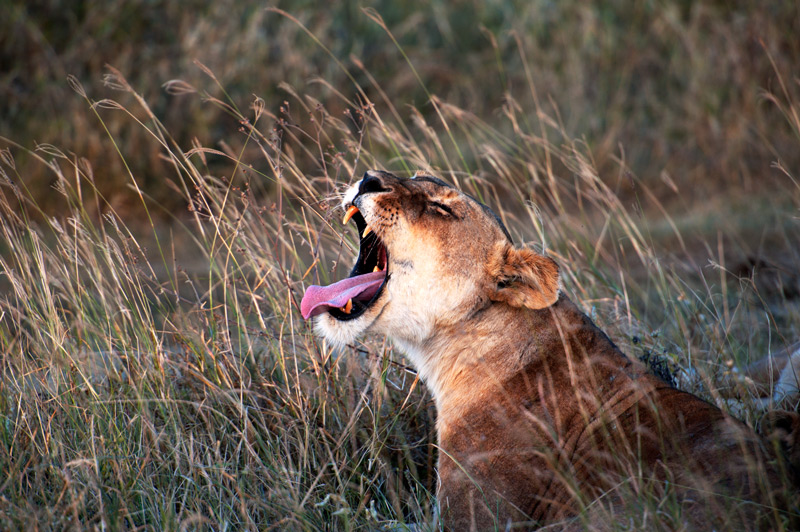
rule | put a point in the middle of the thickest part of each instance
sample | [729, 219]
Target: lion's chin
[341, 333]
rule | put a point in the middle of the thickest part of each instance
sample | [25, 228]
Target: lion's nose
[371, 183]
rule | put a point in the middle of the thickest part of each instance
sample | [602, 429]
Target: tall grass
[675, 83]
[164, 379]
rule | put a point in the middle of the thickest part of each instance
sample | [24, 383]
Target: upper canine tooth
[367, 230]
[349, 214]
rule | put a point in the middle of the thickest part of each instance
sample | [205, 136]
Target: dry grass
[162, 378]
[674, 84]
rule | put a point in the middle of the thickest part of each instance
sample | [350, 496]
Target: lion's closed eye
[441, 209]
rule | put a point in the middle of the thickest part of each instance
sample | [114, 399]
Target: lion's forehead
[428, 189]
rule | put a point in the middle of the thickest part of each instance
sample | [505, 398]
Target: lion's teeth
[348, 307]
[349, 214]
[375, 269]
[367, 230]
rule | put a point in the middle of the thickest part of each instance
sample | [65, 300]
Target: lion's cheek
[421, 302]
[407, 316]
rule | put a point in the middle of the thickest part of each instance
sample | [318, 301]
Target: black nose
[370, 183]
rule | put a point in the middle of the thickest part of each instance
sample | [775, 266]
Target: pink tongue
[319, 299]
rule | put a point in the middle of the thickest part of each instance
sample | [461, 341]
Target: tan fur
[539, 413]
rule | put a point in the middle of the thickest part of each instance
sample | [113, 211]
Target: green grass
[156, 372]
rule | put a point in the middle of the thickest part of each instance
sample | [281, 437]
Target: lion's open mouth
[351, 297]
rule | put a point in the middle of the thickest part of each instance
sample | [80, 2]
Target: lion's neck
[471, 362]
[471, 356]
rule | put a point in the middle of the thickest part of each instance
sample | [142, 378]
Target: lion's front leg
[463, 505]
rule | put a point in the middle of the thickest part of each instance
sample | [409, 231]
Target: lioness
[539, 413]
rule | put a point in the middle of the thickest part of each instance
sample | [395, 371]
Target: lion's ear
[523, 278]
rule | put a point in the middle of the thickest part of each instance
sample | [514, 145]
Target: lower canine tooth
[348, 307]
[367, 230]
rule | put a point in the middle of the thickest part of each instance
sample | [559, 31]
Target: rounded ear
[522, 278]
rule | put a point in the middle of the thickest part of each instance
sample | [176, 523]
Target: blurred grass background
[169, 177]
[679, 87]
